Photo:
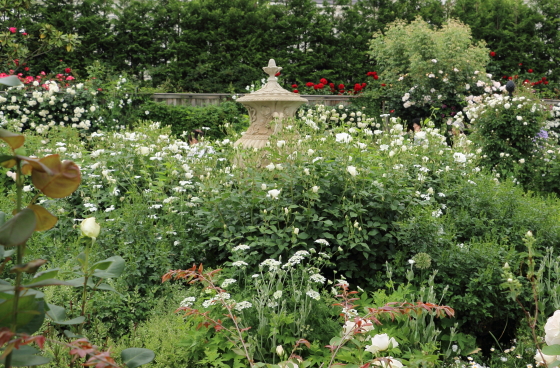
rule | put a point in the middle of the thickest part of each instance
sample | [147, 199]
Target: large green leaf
[135, 357]
[30, 313]
[25, 357]
[18, 229]
[551, 350]
[58, 315]
[11, 81]
[112, 267]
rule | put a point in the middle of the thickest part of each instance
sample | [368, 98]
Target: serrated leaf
[18, 229]
[112, 267]
[135, 357]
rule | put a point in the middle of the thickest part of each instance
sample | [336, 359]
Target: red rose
[323, 81]
[504, 77]
[100, 89]
[67, 70]
[392, 111]
[492, 53]
[370, 74]
[26, 68]
[70, 78]
[13, 29]
[520, 64]
[526, 81]
[309, 84]
[294, 85]
[24, 33]
[545, 82]
[315, 87]
[510, 78]
[376, 77]
[277, 74]
[341, 86]
[543, 79]
[341, 91]
[383, 85]
[331, 85]
[295, 91]
[530, 70]
[357, 87]
[320, 86]
[364, 85]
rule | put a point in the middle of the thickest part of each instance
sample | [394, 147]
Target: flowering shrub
[508, 132]
[423, 68]
[45, 102]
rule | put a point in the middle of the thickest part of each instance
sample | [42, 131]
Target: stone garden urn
[267, 107]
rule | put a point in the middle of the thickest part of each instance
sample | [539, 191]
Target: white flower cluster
[296, 258]
[218, 297]
[227, 282]
[272, 264]
[188, 301]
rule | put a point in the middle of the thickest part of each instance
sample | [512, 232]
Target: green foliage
[424, 67]
[184, 119]
[24, 39]
[507, 130]
[523, 36]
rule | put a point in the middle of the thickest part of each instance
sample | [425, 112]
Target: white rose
[547, 358]
[343, 137]
[381, 342]
[394, 363]
[459, 157]
[279, 350]
[274, 193]
[352, 170]
[315, 189]
[270, 166]
[552, 329]
[90, 228]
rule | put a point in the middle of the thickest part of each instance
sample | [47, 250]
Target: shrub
[184, 119]
[422, 67]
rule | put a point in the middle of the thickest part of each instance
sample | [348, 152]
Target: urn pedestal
[267, 108]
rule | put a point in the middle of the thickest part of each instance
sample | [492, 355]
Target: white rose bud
[279, 350]
[90, 228]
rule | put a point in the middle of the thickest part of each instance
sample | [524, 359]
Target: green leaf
[11, 81]
[112, 267]
[18, 229]
[30, 313]
[47, 282]
[551, 350]
[47, 274]
[135, 357]
[58, 315]
[25, 357]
